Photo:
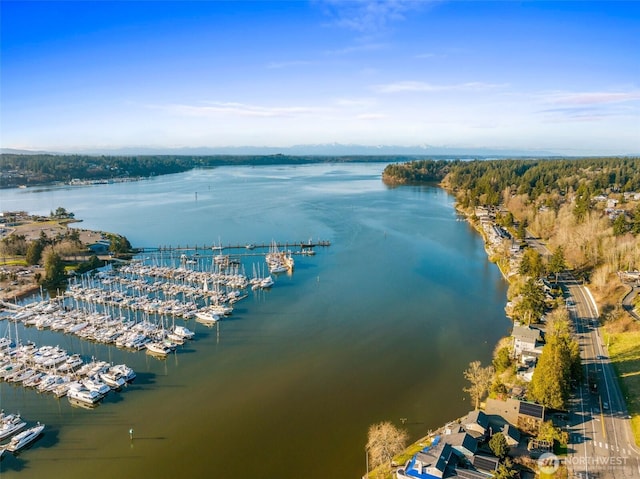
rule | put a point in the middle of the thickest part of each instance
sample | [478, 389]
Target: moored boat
[11, 424]
[158, 349]
[207, 317]
[82, 394]
[24, 438]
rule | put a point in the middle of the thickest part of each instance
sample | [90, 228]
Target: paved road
[602, 442]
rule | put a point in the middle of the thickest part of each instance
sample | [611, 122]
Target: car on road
[600, 356]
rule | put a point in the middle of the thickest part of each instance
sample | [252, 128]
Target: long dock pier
[248, 246]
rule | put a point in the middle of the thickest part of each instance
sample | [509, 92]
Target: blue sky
[543, 75]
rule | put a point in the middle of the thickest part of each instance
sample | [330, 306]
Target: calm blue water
[379, 326]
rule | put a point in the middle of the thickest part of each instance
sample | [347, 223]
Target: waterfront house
[511, 434]
[463, 443]
[438, 461]
[443, 460]
[526, 416]
[476, 423]
[526, 340]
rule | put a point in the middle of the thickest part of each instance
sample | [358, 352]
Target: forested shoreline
[41, 169]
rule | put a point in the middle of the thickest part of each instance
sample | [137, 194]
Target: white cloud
[237, 109]
[418, 86]
[287, 64]
[589, 106]
[358, 48]
[591, 98]
[368, 16]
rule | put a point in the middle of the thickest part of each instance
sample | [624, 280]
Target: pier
[310, 244]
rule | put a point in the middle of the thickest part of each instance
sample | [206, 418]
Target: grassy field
[624, 351]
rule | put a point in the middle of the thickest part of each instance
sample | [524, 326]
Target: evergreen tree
[531, 307]
[620, 225]
[557, 366]
[531, 264]
[557, 263]
[498, 445]
[34, 252]
[54, 274]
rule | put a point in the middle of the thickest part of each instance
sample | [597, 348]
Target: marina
[360, 332]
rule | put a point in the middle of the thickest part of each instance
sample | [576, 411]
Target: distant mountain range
[329, 149]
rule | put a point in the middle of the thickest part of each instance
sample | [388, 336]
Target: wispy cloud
[589, 106]
[358, 48]
[368, 16]
[424, 56]
[355, 102]
[211, 109]
[418, 86]
[591, 98]
[288, 64]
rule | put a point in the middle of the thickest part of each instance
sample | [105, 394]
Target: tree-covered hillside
[38, 169]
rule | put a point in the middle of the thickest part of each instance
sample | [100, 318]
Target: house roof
[526, 333]
[485, 463]
[469, 474]
[462, 440]
[531, 409]
[509, 431]
[438, 457]
[478, 417]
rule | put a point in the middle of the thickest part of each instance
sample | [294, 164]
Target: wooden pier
[248, 247]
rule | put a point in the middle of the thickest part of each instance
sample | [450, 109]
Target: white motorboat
[266, 282]
[112, 379]
[158, 349]
[24, 438]
[184, 332]
[84, 395]
[207, 317]
[94, 383]
[123, 371]
[175, 338]
[11, 424]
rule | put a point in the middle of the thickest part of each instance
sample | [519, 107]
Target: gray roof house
[436, 462]
[463, 443]
[511, 434]
[476, 422]
[526, 340]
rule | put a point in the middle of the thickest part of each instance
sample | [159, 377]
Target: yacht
[94, 383]
[24, 438]
[157, 348]
[10, 425]
[184, 332]
[266, 282]
[113, 379]
[82, 394]
[207, 317]
[124, 371]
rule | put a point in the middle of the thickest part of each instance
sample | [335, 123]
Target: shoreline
[477, 225]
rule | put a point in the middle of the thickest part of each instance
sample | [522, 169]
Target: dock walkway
[249, 246]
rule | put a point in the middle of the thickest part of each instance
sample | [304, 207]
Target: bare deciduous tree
[480, 379]
[384, 441]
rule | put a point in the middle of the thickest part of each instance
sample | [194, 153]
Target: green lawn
[624, 351]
